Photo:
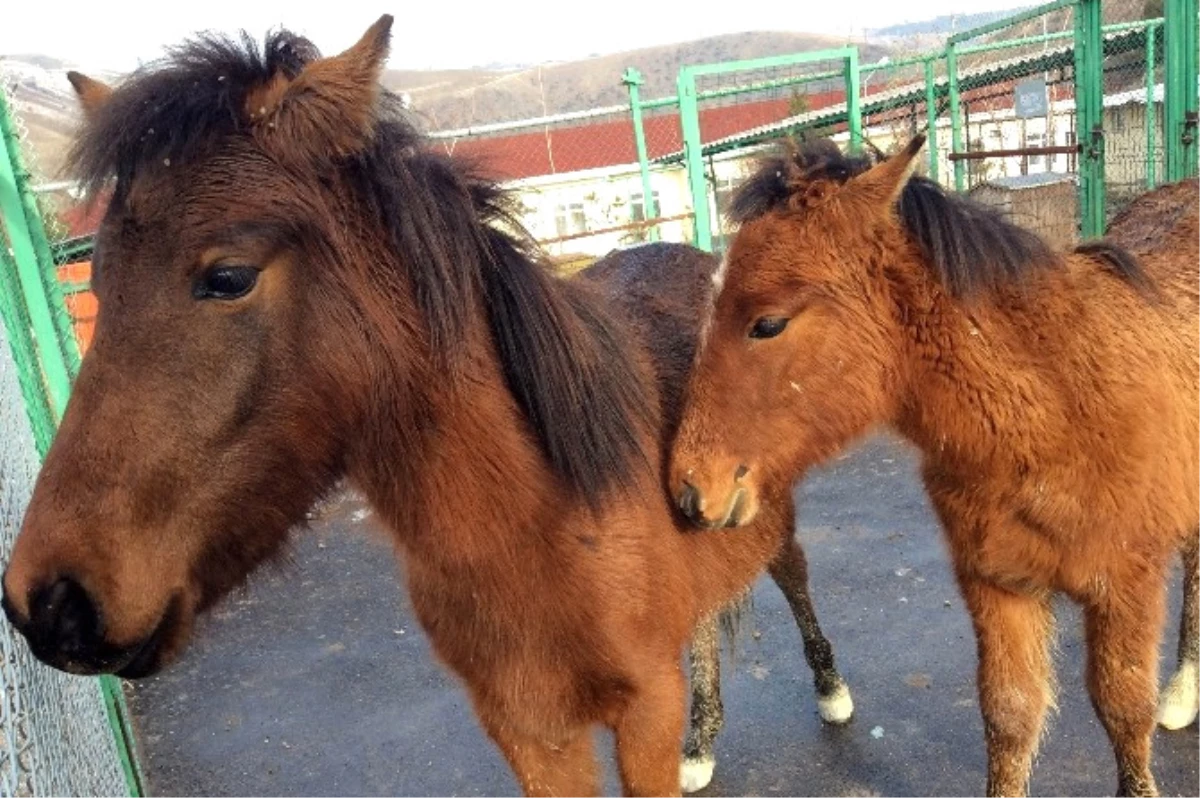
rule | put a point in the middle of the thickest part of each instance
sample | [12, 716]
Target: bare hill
[460, 98]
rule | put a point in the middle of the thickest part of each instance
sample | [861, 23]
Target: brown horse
[1053, 397]
[1159, 227]
[293, 289]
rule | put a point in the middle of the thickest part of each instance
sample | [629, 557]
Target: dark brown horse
[1053, 396]
[292, 290]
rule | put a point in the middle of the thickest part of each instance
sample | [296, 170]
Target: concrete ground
[316, 680]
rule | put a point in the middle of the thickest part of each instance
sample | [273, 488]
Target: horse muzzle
[717, 503]
[64, 627]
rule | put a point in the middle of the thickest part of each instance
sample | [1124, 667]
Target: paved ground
[317, 681]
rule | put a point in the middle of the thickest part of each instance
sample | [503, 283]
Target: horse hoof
[696, 773]
[838, 706]
[1180, 701]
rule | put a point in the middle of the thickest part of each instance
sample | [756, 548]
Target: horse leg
[708, 714]
[648, 733]
[790, 571]
[1012, 631]
[564, 767]
[1123, 628]
[1180, 700]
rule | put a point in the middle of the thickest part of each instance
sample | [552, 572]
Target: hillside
[45, 106]
[943, 26]
[446, 99]
[460, 98]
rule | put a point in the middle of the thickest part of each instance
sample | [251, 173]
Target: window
[637, 213]
[637, 208]
[570, 219]
[1035, 140]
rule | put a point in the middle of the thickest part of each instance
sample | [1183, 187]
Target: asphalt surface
[317, 680]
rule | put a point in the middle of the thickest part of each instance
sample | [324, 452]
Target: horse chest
[479, 619]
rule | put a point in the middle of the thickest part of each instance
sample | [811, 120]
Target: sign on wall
[1029, 98]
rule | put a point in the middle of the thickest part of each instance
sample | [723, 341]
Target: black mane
[565, 361]
[176, 109]
[970, 248]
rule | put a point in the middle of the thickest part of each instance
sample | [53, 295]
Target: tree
[798, 104]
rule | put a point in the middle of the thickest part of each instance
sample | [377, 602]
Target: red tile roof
[559, 150]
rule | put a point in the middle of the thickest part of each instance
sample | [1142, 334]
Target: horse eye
[225, 282]
[768, 327]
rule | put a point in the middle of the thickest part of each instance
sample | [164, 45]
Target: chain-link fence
[59, 734]
[1134, 151]
[55, 737]
[1015, 142]
[998, 103]
[734, 98]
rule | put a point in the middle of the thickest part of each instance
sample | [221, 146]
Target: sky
[439, 33]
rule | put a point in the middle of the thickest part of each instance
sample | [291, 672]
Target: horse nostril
[64, 618]
[742, 470]
[10, 611]
[690, 502]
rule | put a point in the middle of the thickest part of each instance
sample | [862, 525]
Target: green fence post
[931, 115]
[41, 315]
[16, 323]
[1151, 113]
[956, 131]
[633, 81]
[1180, 87]
[37, 238]
[1089, 111]
[689, 120]
[853, 107]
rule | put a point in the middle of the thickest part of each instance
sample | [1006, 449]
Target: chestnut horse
[1161, 228]
[294, 289]
[1053, 397]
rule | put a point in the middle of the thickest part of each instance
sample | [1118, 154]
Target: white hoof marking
[836, 707]
[695, 774]
[1180, 701]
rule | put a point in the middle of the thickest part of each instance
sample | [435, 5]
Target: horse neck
[960, 386]
[447, 464]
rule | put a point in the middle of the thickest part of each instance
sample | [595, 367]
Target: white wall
[605, 196]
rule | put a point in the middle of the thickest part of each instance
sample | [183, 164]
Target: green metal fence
[59, 734]
[714, 101]
[1182, 40]
[1094, 97]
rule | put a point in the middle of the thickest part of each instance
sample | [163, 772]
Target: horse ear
[330, 105]
[93, 94]
[881, 184]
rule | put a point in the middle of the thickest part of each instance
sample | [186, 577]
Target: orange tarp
[81, 306]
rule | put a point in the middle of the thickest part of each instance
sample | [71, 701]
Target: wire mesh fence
[733, 101]
[895, 103]
[1016, 141]
[55, 737]
[1134, 151]
[56, 731]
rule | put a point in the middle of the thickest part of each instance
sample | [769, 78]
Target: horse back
[1160, 228]
[663, 291]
